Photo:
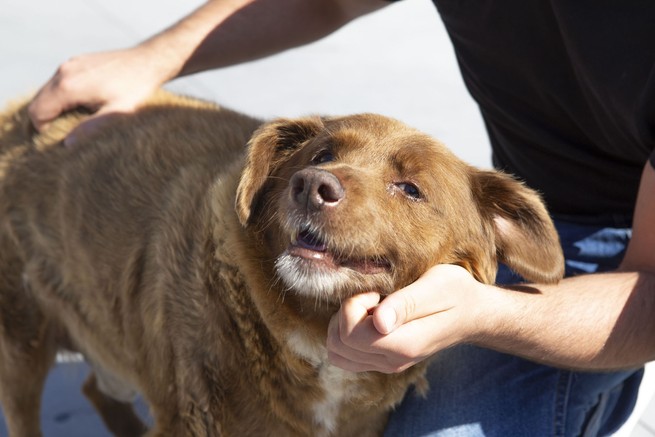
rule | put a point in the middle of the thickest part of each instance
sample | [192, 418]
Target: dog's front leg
[119, 417]
[27, 350]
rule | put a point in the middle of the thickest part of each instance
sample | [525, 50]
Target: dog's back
[101, 220]
[96, 205]
[148, 169]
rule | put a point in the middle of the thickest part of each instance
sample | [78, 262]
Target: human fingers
[47, 105]
[356, 344]
[73, 85]
[371, 364]
[435, 291]
[407, 345]
[351, 331]
[353, 321]
[414, 341]
[348, 358]
[102, 81]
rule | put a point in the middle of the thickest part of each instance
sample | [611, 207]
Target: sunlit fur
[159, 247]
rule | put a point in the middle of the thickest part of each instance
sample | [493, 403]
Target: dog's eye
[322, 157]
[410, 190]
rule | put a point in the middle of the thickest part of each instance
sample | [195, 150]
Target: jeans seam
[561, 402]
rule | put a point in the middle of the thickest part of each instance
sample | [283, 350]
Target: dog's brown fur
[156, 249]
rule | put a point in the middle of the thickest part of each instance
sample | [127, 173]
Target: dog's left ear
[271, 145]
[525, 237]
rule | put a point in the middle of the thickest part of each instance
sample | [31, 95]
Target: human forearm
[598, 321]
[226, 32]
[593, 322]
[219, 33]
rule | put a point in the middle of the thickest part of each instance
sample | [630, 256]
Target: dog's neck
[283, 311]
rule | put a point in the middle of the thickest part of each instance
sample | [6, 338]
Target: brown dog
[203, 274]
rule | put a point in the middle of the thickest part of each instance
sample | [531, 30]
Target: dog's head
[363, 203]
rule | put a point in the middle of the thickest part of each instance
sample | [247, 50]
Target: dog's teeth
[294, 236]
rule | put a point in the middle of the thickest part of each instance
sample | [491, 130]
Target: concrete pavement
[397, 62]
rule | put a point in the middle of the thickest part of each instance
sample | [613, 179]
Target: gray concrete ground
[397, 62]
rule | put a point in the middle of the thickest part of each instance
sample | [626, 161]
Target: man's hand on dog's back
[217, 34]
[125, 83]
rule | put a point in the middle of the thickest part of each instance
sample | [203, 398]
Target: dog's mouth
[310, 246]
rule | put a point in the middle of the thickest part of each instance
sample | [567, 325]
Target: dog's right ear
[271, 145]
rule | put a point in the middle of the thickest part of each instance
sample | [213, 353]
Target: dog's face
[365, 203]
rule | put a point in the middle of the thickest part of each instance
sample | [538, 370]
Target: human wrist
[489, 313]
[161, 63]
[178, 50]
[512, 321]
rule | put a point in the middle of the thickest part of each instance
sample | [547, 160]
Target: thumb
[437, 290]
[394, 311]
[419, 299]
[43, 110]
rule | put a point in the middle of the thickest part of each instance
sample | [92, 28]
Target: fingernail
[387, 318]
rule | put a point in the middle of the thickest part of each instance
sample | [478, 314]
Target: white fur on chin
[306, 278]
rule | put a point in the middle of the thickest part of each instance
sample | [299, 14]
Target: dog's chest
[338, 385]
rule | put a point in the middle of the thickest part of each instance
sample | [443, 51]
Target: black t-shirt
[567, 92]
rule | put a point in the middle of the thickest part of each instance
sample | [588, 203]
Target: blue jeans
[479, 392]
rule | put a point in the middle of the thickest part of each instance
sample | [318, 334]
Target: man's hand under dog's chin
[433, 313]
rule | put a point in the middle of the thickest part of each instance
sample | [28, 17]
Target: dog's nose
[313, 188]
